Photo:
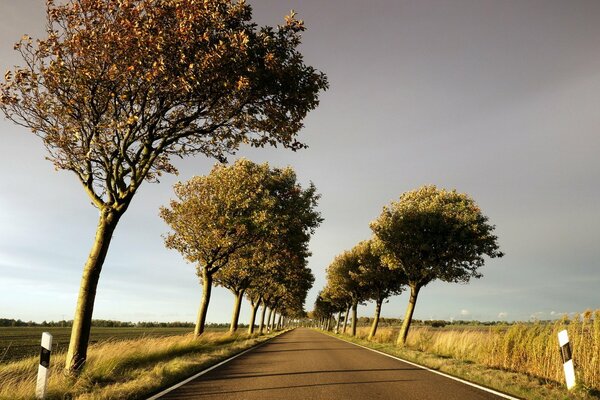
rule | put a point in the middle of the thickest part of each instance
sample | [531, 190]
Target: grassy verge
[127, 369]
[21, 342]
[512, 383]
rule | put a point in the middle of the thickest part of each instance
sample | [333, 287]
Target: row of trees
[246, 227]
[119, 87]
[428, 234]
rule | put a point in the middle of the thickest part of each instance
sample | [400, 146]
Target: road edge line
[485, 389]
[204, 371]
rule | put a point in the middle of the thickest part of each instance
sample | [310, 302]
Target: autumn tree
[230, 220]
[217, 215]
[118, 87]
[286, 252]
[288, 286]
[236, 276]
[254, 294]
[283, 245]
[377, 280]
[322, 311]
[343, 281]
[430, 234]
[338, 304]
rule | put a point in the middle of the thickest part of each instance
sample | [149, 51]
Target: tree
[283, 245]
[236, 276]
[340, 301]
[343, 282]
[230, 220]
[118, 87]
[431, 234]
[377, 280]
[255, 295]
[216, 216]
[322, 311]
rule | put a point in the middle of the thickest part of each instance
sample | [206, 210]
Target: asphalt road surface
[305, 364]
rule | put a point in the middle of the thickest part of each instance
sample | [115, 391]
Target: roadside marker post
[566, 355]
[42, 378]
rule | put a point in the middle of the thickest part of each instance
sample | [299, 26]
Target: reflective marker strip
[565, 353]
[45, 357]
[42, 378]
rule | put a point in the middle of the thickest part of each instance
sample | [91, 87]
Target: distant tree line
[361, 321]
[437, 323]
[8, 322]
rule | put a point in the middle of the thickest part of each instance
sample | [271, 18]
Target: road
[306, 364]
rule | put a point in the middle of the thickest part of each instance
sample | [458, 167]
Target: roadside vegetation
[521, 359]
[126, 369]
[23, 342]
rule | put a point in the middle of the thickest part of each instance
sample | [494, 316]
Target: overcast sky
[498, 99]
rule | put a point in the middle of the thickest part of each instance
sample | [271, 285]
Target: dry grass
[125, 369]
[530, 348]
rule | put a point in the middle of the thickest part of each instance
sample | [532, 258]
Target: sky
[497, 99]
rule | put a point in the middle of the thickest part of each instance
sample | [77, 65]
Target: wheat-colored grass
[529, 348]
[124, 369]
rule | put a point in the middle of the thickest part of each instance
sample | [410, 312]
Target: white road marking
[159, 395]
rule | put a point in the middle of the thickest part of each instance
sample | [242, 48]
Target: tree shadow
[370, 382]
[251, 375]
[314, 349]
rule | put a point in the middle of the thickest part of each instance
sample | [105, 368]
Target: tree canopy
[375, 278]
[432, 233]
[117, 88]
[343, 282]
[244, 224]
[120, 86]
[217, 214]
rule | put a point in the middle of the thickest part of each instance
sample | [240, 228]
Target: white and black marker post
[565, 352]
[42, 379]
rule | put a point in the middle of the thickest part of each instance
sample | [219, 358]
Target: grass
[522, 359]
[21, 342]
[126, 369]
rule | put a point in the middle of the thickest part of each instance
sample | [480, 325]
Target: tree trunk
[262, 318]
[82, 321]
[269, 319]
[339, 320]
[272, 323]
[346, 319]
[253, 317]
[239, 295]
[279, 322]
[354, 307]
[206, 289]
[414, 292]
[376, 319]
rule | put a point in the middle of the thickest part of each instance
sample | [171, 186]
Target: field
[21, 342]
[125, 368]
[525, 348]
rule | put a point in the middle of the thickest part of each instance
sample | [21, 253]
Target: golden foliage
[119, 86]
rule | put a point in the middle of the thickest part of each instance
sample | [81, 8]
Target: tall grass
[529, 348]
[125, 369]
